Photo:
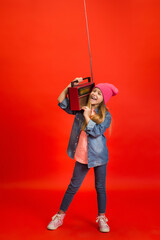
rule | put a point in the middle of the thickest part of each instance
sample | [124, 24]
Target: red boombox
[78, 94]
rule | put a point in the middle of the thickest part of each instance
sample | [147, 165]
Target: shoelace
[103, 218]
[57, 216]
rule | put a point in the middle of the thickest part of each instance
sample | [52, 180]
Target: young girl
[87, 145]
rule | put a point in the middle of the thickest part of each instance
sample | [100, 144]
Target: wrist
[87, 119]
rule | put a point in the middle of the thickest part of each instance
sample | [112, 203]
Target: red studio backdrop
[43, 48]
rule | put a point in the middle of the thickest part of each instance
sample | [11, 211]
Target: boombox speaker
[78, 94]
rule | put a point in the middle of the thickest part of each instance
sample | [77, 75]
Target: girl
[87, 145]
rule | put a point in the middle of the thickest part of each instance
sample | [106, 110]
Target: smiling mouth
[93, 97]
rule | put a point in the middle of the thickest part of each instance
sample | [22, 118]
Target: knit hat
[108, 90]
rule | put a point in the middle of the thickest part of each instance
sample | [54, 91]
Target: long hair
[98, 117]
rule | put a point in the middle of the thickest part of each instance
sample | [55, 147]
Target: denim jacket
[97, 152]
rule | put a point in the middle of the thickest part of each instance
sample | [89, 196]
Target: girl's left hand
[87, 113]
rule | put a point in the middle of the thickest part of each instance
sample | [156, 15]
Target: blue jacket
[97, 152]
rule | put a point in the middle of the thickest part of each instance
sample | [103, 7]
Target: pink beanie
[108, 90]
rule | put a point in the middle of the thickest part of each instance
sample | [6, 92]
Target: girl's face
[96, 97]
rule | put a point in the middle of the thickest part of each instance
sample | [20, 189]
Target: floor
[25, 213]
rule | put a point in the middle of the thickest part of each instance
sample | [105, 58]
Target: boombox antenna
[88, 39]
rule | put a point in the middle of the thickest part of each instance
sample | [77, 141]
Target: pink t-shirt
[81, 150]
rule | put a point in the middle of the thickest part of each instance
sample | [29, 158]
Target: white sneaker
[57, 221]
[102, 223]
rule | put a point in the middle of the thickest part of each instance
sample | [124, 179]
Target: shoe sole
[104, 231]
[54, 228]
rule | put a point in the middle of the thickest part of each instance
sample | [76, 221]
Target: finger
[79, 79]
[75, 80]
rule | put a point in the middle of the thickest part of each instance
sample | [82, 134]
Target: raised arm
[63, 94]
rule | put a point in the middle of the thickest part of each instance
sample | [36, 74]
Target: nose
[95, 93]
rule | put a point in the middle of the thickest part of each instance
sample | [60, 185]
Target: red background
[43, 48]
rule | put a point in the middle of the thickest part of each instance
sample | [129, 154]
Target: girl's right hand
[78, 80]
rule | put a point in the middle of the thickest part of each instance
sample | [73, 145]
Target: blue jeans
[79, 173]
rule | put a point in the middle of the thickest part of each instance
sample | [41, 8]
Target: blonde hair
[98, 117]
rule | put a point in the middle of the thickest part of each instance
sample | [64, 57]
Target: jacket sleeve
[66, 106]
[95, 129]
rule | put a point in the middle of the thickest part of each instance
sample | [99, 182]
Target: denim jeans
[79, 173]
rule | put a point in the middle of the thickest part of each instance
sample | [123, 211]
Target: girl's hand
[87, 113]
[78, 80]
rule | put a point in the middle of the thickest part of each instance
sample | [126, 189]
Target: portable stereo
[78, 94]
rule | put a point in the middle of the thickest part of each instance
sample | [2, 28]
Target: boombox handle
[76, 81]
